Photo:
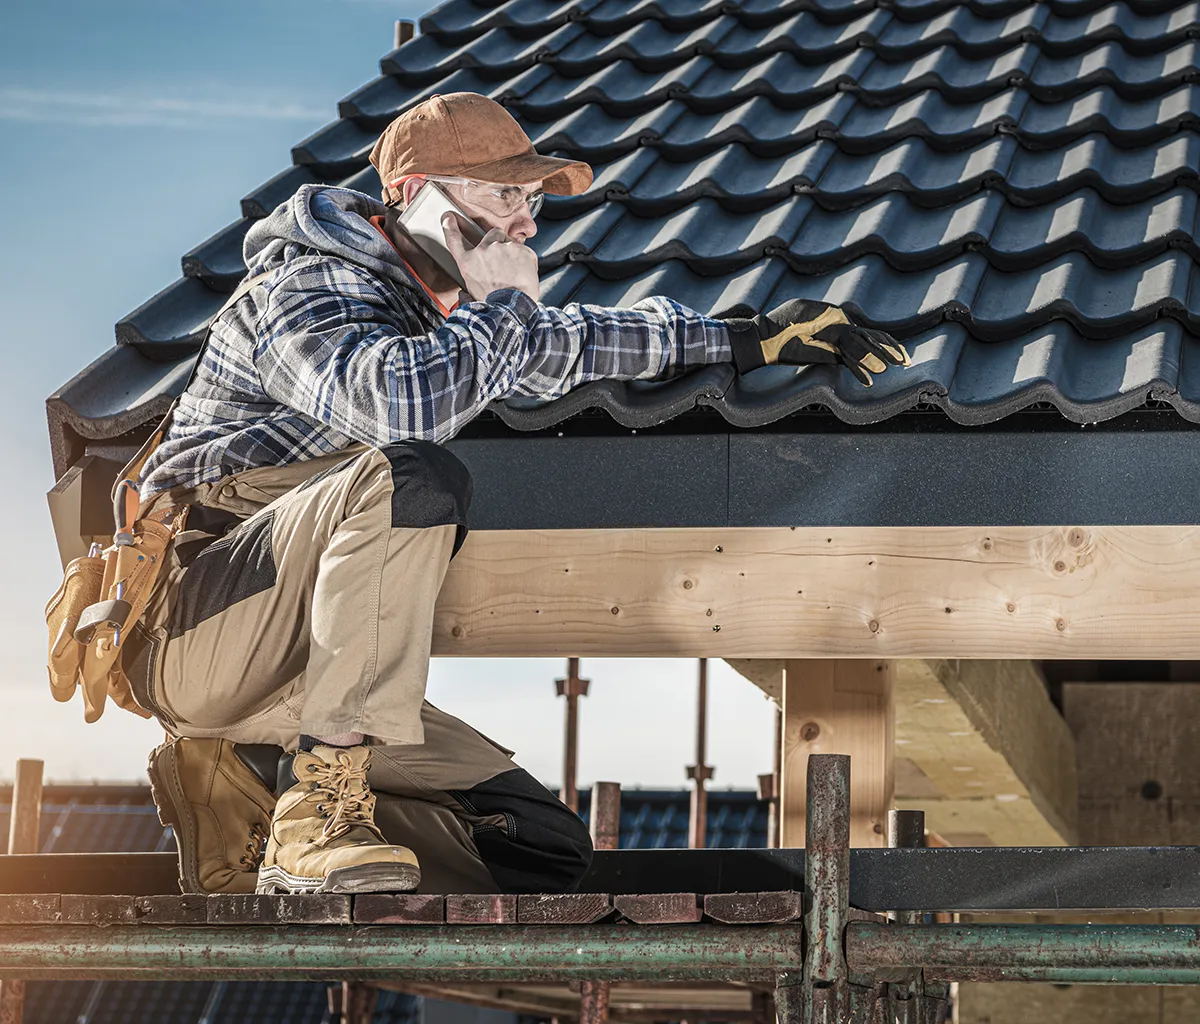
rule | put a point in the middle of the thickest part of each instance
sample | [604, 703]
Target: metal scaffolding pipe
[1014, 947]
[433, 953]
[701, 771]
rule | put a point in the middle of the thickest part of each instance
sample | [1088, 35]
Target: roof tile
[1011, 186]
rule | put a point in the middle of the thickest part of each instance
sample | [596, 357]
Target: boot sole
[359, 879]
[166, 790]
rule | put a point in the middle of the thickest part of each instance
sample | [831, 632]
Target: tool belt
[101, 597]
[103, 594]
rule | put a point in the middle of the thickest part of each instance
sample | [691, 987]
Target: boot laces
[351, 800]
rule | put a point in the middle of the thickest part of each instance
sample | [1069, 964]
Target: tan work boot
[215, 796]
[323, 834]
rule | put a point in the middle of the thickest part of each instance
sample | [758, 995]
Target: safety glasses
[499, 200]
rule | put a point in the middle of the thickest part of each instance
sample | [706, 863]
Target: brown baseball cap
[463, 134]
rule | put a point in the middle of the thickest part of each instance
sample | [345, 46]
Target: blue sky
[129, 130]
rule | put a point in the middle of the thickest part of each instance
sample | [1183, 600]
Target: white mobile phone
[422, 219]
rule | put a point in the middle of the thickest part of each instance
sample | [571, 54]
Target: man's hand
[804, 331]
[496, 262]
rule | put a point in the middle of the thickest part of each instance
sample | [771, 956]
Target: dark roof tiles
[1011, 186]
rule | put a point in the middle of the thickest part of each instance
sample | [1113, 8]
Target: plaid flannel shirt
[324, 353]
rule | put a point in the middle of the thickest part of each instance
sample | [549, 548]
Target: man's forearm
[653, 340]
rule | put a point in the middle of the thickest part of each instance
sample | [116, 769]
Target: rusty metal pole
[605, 817]
[701, 771]
[827, 884]
[23, 829]
[605, 826]
[769, 785]
[358, 1002]
[572, 688]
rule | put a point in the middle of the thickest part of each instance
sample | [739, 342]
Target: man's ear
[410, 188]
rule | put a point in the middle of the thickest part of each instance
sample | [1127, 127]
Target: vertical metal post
[827, 885]
[405, 30]
[771, 785]
[701, 771]
[605, 827]
[605, 817]
[358, 1002]
[23, 830]
[25, 823]
[572, 688]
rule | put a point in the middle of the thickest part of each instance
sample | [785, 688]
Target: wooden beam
[1139, 761]
[979, 747]
[1024, 592]
[999, 757]
[839, 707]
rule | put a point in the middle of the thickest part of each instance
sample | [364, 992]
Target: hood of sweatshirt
[334, 221]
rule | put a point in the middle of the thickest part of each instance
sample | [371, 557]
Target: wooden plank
[98, 910]
[41, 908]
[399, 908]
[316, 908]
[661, 908]
[171, 910]
[988, 1003]
[755, 907]
[1138, 748]
[564, 908]
[474, 909]
[105, 874]
[993, 758]
[888, 592]
[979, 747]
[839, 707]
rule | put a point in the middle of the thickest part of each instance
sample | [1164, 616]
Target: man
[296, 609]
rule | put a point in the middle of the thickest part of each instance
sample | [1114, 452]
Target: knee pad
[430, 487]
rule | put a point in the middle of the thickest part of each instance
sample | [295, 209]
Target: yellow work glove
[804, 331]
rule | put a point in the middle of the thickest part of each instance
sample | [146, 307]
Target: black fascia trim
[820, 478]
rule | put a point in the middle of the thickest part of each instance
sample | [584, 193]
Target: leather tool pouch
[100, 599]
[104, 594]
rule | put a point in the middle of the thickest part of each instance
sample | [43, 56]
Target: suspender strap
[133, 468]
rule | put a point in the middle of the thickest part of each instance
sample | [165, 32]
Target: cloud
[139, 110]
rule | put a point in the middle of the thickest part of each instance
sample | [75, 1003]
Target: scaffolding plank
[566, 908]
[935, 880]
[35, 908]
[399, 908]
[314, 908]
[191, 909]
[660, 908]
[475, 909]
[113, 874]
[755, 907]
[102, 910]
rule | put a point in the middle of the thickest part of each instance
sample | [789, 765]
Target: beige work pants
[300, 601]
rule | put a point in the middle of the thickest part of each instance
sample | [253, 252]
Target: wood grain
[754, 907]
[31, 909]
[660, 908]
[564, 908]
[839, 707]
[471, 909]
[313, 908]
[399, 908]
[962, 592]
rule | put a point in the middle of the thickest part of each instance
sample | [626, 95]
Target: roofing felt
[1010, 187]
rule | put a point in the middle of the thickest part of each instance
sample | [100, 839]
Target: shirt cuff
[745, 345]
[516, 300]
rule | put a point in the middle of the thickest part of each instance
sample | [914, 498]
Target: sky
[129, 131]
